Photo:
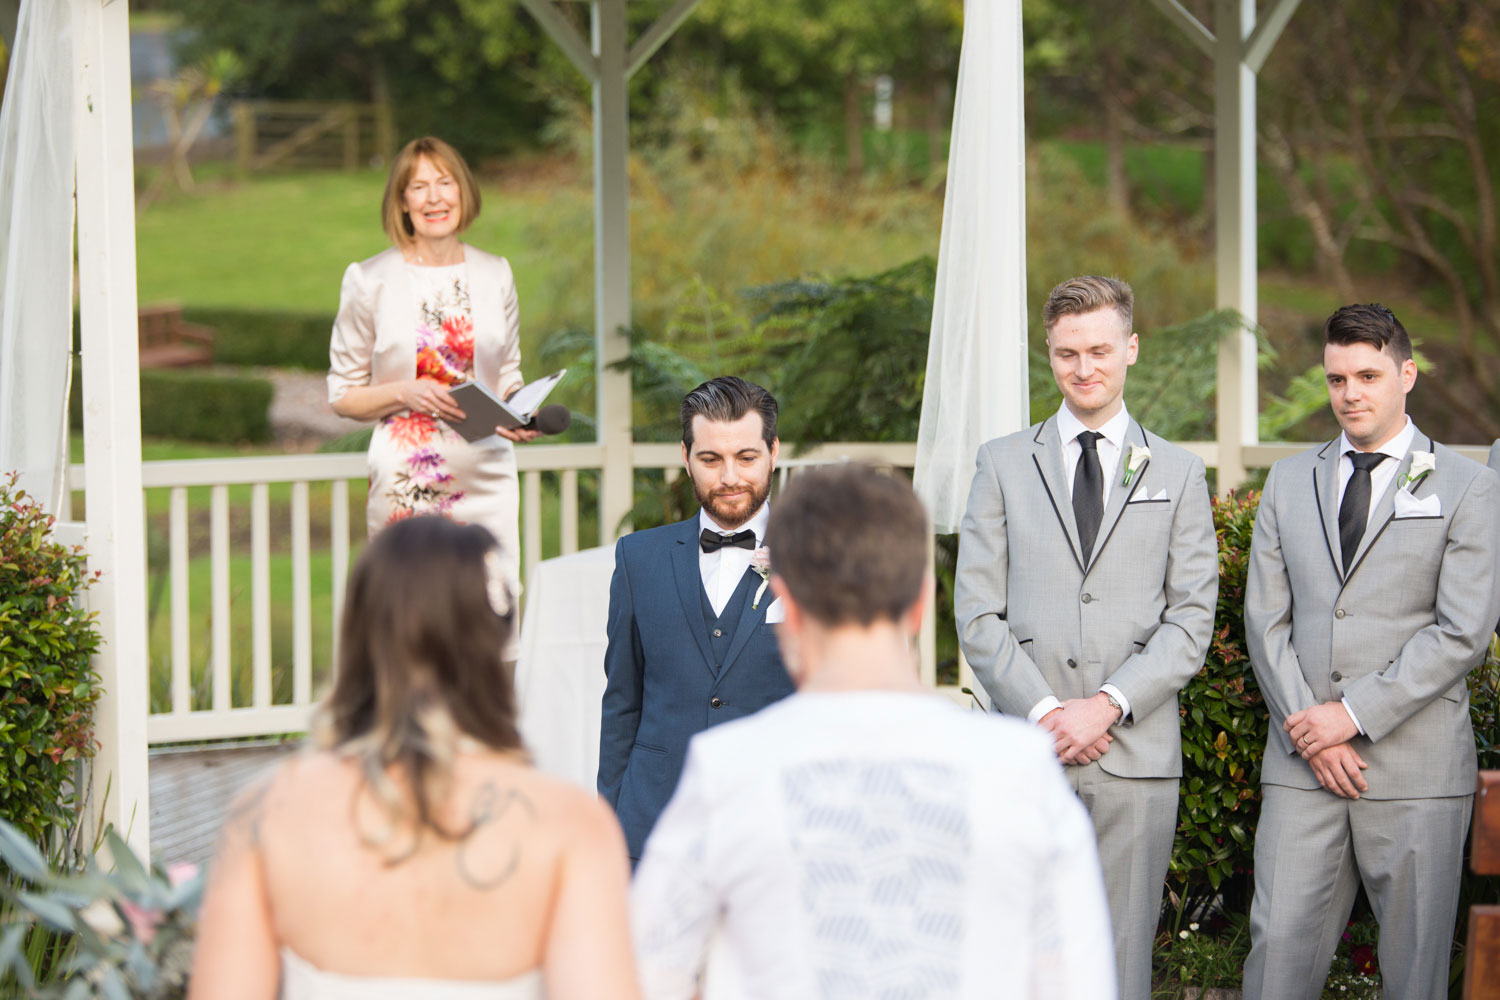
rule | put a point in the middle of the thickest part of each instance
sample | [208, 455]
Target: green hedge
[1224, 723]
[197, 405]
[47, 687]
[273, 339]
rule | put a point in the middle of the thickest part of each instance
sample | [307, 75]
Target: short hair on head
[850, 542]
[1085, 294]
[393, 216]
[726, 399]
[419, 663]
[1370, 323]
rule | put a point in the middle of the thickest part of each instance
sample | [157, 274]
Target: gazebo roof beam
[1267, 31]
[558, 28]
[1190, 25]
[655, 36]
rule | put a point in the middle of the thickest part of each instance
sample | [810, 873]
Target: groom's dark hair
[726, 399]
[850, 542]
[1370, 323]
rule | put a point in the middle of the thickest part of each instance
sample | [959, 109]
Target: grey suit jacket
[1035, 620]
[1395, 633]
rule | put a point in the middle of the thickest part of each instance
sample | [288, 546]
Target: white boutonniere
[1139, 456]
[760, 561]
[1422, 463]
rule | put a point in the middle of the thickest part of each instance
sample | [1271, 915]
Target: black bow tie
[713, 541]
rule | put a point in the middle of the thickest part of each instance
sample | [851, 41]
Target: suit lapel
[690, 586]
[1385, 509]
[1326, 492]
[1119, 494]
[750, 617]
[1047, 454]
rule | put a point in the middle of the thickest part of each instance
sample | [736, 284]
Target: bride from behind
[413, 851]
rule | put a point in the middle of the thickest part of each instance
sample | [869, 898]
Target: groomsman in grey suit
[1372, 593]
[1087, 578]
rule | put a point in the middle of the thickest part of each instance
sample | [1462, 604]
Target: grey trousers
[1135, 820]
[1313, 849]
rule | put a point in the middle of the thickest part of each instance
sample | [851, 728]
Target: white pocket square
[776, 612]
[1161, 496]
[1410, 506]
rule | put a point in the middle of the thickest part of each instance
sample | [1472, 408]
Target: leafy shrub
[1224, 724]
[47, 688]
[197, 405]
[273, 339]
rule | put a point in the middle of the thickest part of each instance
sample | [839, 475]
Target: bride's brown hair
[419, 666]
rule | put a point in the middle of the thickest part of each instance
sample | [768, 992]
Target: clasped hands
[425, 395]
[1080, 728]
[1321, 735]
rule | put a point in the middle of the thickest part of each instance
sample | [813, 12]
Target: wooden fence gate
[311, 134]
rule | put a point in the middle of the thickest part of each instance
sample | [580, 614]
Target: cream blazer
[375, 331]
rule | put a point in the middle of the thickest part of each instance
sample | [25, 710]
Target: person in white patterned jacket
[865, 837]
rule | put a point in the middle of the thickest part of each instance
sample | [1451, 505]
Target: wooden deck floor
[191, 787]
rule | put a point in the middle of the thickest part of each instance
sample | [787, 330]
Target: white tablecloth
[560, 674]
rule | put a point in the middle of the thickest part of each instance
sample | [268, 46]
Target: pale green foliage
[125, 932]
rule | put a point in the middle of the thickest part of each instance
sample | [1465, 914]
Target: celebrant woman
[429, 313]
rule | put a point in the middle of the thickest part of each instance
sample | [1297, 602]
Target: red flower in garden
[1363, 957]
[411, 429]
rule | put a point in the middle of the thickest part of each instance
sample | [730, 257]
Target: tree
[478, 72]
[795, 50]
[1381, 121]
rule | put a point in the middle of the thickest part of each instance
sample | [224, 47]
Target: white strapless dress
[300, 980]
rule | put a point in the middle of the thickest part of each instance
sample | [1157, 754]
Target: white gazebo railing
[231, 502]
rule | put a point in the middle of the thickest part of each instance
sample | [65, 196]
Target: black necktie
[1354, 510]
[713, 541]
[1088, 492]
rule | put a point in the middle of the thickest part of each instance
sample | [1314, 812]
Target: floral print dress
[420, 465]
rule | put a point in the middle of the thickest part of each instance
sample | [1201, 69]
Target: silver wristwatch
[1115, 704]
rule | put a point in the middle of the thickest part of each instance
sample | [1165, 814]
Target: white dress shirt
[1381, 476]
[723, 569]
[1110, 447]
[1380, 479]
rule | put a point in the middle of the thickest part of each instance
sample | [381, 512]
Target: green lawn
[282, 242]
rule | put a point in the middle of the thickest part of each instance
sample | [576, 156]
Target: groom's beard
[734, 513]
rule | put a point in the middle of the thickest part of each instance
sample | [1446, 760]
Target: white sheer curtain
[36, 248]
[976, 358]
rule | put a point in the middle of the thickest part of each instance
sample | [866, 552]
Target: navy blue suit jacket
[661, 685]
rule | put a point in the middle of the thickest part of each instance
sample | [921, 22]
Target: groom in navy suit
[689, 641]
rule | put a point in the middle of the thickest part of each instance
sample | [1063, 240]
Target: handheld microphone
[550, 419]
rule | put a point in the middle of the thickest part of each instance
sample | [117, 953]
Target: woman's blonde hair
[393, 210]
[419, 668]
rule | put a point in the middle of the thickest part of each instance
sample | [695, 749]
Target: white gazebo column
[115, 518]
[1238, 46]
[1235, 237]
[612, 264]
[608, 63]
